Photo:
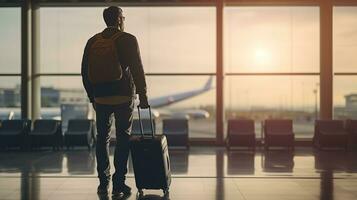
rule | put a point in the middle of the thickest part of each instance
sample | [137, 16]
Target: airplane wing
[174, 98]
[189, 114]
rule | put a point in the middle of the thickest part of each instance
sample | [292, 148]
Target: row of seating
[175, 130]
[240, 133]
[327, 134]
[46, 132]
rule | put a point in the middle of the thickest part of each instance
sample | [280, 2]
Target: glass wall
[345, 62]
[272, 61]
[177, 41]
[10, 63]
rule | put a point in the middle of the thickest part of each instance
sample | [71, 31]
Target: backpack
[103, 61]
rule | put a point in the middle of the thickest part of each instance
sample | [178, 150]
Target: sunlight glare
[262, 57]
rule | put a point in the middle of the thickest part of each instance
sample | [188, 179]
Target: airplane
[174, 98]
[155, 103]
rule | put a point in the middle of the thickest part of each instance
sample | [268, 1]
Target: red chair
[278, 132]
[240, 133]
[351, 127]
[330, 134]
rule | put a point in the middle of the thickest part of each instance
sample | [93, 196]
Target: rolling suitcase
[151, 160]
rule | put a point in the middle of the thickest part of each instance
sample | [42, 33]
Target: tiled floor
[200, 173]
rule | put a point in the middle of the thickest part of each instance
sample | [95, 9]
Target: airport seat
[240, 133]
[351, 127]
[46, 132]
[80, 132]
[176, 131]
[146, 126]
[330, 134]
[278, 132]
[13, 133]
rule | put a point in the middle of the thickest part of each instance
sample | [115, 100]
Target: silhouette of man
[115, 98]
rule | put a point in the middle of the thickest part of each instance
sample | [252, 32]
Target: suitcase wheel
[166, 192]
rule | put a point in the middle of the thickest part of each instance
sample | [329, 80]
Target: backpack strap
[116, 35]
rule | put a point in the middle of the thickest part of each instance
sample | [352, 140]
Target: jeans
[123, 114]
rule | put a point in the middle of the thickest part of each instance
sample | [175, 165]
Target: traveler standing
[112, 74]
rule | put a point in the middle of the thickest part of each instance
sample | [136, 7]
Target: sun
[262, 58]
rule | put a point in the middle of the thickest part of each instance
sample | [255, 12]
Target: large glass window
[345, 62]
[274, 97]
[172, 40]
[261, 45]
[199, 106]
[272, 39]
[10, 40]
[10, 98]
[10, 63]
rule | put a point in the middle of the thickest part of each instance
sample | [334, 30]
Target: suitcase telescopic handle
[141, 123]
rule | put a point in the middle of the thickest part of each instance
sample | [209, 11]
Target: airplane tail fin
[208, 84]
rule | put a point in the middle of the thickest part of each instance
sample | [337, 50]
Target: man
[114, 97]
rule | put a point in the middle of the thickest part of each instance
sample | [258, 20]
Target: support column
[36, 85]
[25, 59]
[326, 60]
[219, 73]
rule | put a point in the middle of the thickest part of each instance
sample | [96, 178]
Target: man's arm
[136, 68]
[84, 71]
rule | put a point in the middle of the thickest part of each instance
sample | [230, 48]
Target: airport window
[345, 97]
[10, 98]
[345, 39]
[171, 39]
[272, 64]
[10, 40]
[345, 62]
[198, 109]
[271, 39]
[274, 97]
[10, 63]
[57, 93]
[174, 41]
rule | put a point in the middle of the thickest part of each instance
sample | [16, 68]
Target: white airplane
[155, 103]
[174, 98]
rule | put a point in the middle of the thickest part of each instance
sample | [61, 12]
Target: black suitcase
[151, 160]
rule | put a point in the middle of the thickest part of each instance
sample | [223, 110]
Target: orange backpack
[103, 61]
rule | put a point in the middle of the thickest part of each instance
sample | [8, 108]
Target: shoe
[102, 190]
[117, 190]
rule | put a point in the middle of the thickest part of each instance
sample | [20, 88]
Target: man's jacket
[133, 79]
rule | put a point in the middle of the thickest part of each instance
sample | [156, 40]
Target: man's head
[113, 16]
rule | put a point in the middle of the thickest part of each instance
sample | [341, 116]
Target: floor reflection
[240, 162]
[335, 161]
[82, 162]
[326, 191]
[278, 161]
[196, 162]
[152, 197]
[51, 164]
[211, 170]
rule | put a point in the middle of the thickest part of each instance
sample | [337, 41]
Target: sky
[182, 39]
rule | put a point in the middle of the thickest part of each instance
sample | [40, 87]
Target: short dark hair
[111, 15]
